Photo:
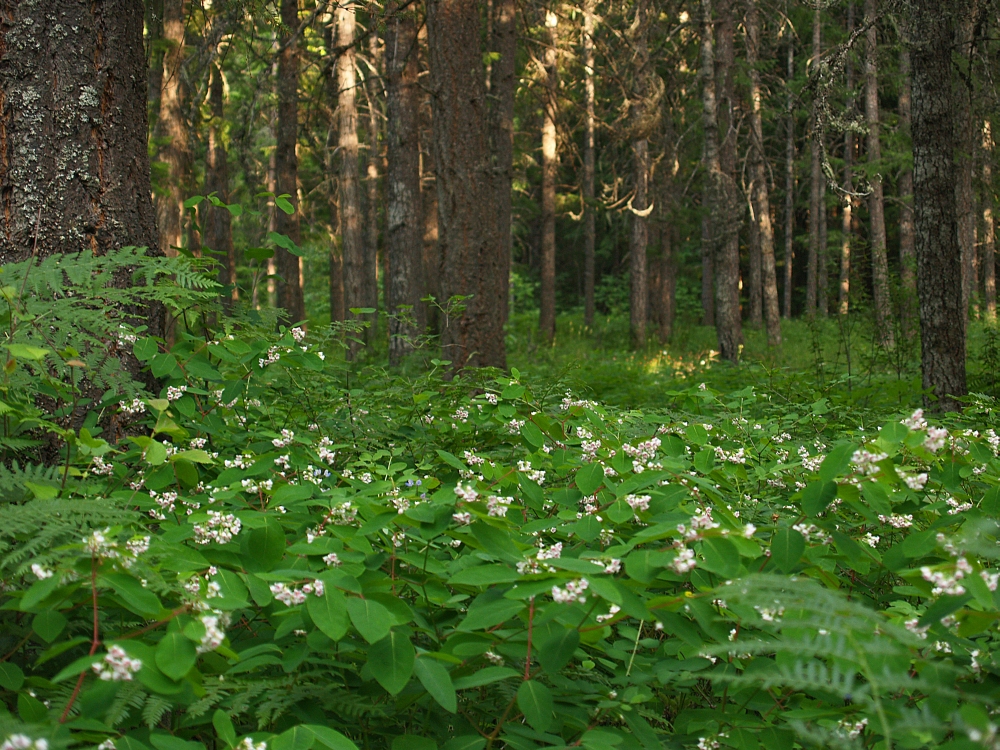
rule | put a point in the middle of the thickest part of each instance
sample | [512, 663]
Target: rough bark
[876, 202]
[815, 178]
[822, 261]
[351, 231]
[989, 224]
[287, 165]
[336, 277]
[503, 87]
[760, 194]
[707, 260]
[727, 201]
[639, 234]
[217, 232]
[965, 134]
[404, 229]
[154, 54]
[589, 224]
[907, 260]
[472, 250]
[172, 128]
[373, 94]
[667, 287]
[939, 266]
[847, 207]
[789, 180]
[550, 162]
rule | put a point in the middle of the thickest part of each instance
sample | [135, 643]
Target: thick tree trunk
[815, 178]
[789, 180]
[428, 195]
[939, 265]
[589, 224]
[638, 244]
[907, 259]
[351, 232]
[989, 225]
[965, 134]
[336, 277]
[667, 288]
[154, 56]
[847, 208]
[707, 259]
[217, 231]
[173, 130]
[503, 87]
[728, 202]
[752, 287]
[472, 249]
[876, 202]
[547, 306]
[287, 165]
[373, 92]
[404, 285]
[761, 198]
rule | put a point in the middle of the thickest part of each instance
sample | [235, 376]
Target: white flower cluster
[242, 461]
[40, 572]
[215, 633]
[684, 562]
[100, 467]
[135, 406]
[343, 514]
[332, 560]
[514, 426]
[220, 528]
[117, 666]
[871, 540]
[701, 520]
[898, 521]
[935, 440]
[955, 507]
[472, 459]
[569, 402]
[299, 334]
[770, 615]
[462, 518]
[867, 462]
[492, 398]
[174, 392]
[644, 451]
[613, 566]
[913, 625]
[248, 744]
[494, 658]
[590, 448]
[287, 436]
[526, 567]
[24, 742]
[466, 493]
[324, 450]
[273, 355]
[947, 584]
[810, 530]
[265, 485]
[638, 503]
[535, 475]
[613, 610]
[572, 593]
[852, 728]
[915, 481]
[497, 506]
[916, 420]
[290, 596]
[735, 457]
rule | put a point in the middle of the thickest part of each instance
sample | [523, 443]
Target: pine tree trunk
[336, 273]
[755, 303]
[667, 289]
[939, 263]
[287, 165]
[215, 221]
[404, 285]
[472, 249]
[907, 260]
[760, 195]
[173, 129]
[547, 307]
[965, 134]
[989, 226]
[707, 259]
[789, 180]
[822, 270]
[847, 208]
[373, 91]
[728, 201]
[503, 87]
[639, 235]
[876, 202]
[351, 231]
[815, 178]
[428, 196]
[589, 224]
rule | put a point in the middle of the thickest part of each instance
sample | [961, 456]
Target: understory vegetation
[248, 540]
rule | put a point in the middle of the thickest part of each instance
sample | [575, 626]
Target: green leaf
[818, 495]
[25, 351]
[11, 676]
[391, 661]
[193, 201]
[39, 592]
[136, 599]
[721, 557]
[486, 614]
[465, 742]
[282, 202]
[42, 491]
[836, 462]
[535, 702]
[31, 710]
[877, 497]
[48, 624]
[175, 655]
[589, 478]
[370, 619]
[787, 547]
[296, 738]
[413, 742]
[485, 575]
[485, 676]
[263, 547]
[437, 682]
[331, 738]
[329, 612]
[285, 242]
[195, 455]
[224, 727]
[554, 653]
[155, 453]
[162, 365]
[532, 435]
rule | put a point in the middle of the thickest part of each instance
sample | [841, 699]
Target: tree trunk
[876, 203]
[404, 285]
[907, 260]
[728, 202]
[373, 90]
[154, 54]
[352, 237]
[939, 263]
[761, 198]
[472, 249]
[589, 225]
[965, 134]
[336, 278]
[639, 235]
[707, 258]
[287, 165]
[755, 303]
[667, 287]
[847, 209]
[789, 179]
[547, 307]
[216, 223]
[989, 227]
[822, 262]
[815, 177]
[428, 196]
[503, 87]
[173, 129]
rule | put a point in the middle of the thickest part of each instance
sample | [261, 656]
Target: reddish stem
[94, 641]
[527, 658]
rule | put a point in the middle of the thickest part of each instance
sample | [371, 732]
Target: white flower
[117, 666]
[572, 593]
[40, 572]
[935, 439]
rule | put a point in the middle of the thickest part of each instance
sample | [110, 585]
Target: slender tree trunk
[761, 199]
[907, 260]
[472, 250]
[728, 202]
[707, 259]
[173, 129]
[428, 196]
[336, 278]
[287, 165]
[755, 303]
[547, 308]
[876, 202]
[154, 54]
[815, 178]
[989, 226]
[939, 262]
[589, 224]
[373, 91]
[667, 289]
[503, 87]
[847, 208]
[966, 139]
[215, 221]
[789, 179]
[822, 262]
[351, 231]
[639, 236]
[404, 284]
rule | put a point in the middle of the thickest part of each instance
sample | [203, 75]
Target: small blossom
[117, 666]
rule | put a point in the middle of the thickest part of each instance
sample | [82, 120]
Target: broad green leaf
[589, 478]
[554, 653]
[836, 463]
[532, 435]
[535, 701]
[818, 495]
[391, 661]
[787, 546]
[369, 618]
[331, 738]
[465, 742]
[300, 737]
[39, 592]
[485, 575]
[484, 676]
[48, 624]
[413, 742]
[224, 727]
[329, 612]
[136, 599]
[163, 741]
[437, 682]
[175, 655]
[11, 676]
[264, 546]
[25, 351]
[721, 557]
[31, 710]
[482, 616]
[285, 242]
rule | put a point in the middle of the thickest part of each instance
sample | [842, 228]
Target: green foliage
[294, 549]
